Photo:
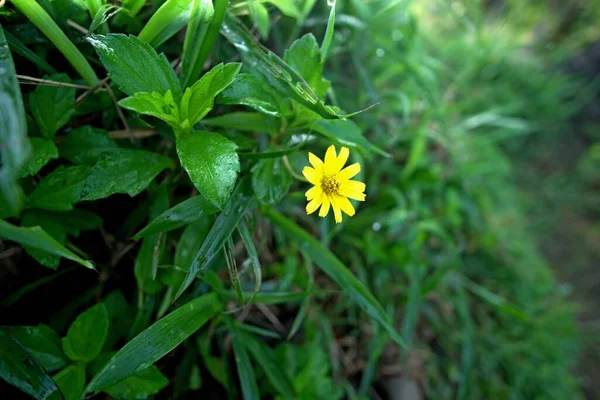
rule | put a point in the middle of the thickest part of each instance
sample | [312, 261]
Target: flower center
[330, 184]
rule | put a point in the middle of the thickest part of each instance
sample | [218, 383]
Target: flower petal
[341, 159]
[345, 205]
[330, 161]
[312, 206]
[351, 192]
[315, 161]
[337, 212]
[312, 175]
[313, 192]
[356, 186]
[325, 207]
[349, 172]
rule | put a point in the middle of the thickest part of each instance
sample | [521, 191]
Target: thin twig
[134, 134]
[76, 26]
[117, 107]
[85, 94]
[271, 317]
[30, 80]
[286, 162]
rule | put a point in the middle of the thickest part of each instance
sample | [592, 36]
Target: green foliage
[87, 334]
[52, 106]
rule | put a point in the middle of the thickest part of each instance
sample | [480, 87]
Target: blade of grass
[169, 19]
[191, 68]
[252, 253]
[328, 32]
[18, 47]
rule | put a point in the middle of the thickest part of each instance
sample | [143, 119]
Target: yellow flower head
[332, 184]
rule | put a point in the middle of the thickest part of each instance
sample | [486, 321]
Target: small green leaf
[140, 385]
[251, 91]
[44, 150]
[51, 226]
[85, 145]
[52, 106]
[101, 15]
[211, 162]
[71, 381]
[221, 230]
[337, 271]
[304, 56]
[271, 180]
[154, 104]
[60, 189]
[124, 171]
[198, 99]
[20, 368]
[156, 341]
[287, 7]
[134, 65]
[43, 342]
[260, 17]
[87, 334]
[184, 213]
[36, 238]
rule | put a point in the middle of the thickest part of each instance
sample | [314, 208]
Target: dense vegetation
[156, 241]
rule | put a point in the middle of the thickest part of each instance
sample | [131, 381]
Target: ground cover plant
[162, 165]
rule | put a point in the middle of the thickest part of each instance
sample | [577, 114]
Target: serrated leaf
[36, 237]
[211, 163]
[198, 99]
[251, 91]
[124, 171]
[60, 189]
[52, 106]
[71, 381]
[43, 342]
[87, 334]
[44, 150]
[135, 66]
[154, 104]
[271, 180]
[156, 341]
[85, 145]
[184, 213]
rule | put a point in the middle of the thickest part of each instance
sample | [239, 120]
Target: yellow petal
[345, 205]
[311, 175]
[354, 185]
[330, 160]
[313, 205]
[349, 172]
[315, 162]
[313, 192]
[342, 158]
[325, 207]
[337, 212]
[351, 193]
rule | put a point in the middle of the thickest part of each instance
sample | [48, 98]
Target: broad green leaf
[15, 148]
[171, 17]
[52, 227]
[87, 334]
[191, 64]
[211, 162]
[304, 56]
[61, 188]
[85, 145]
[52, 106]
[345, 133]
[43, 342]
[156, 341]
[245, 121]
[43, 151]
[184, 213]
[71, 381]
[271, 180]
[134, 65]
[124, 171]
[251, 91]
[140, 385]
[154, 104]
[36, 238]
[337, 271]
[260, 17]
[245, 370]
[21, 369]
[221, 230]
[198, 99]
[265, 358]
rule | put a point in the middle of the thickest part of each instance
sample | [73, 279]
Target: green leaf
[260, 17]
[61, 188]
[154, 104]
[271, 154]
[251, 91]
[71, 381]
[337, 271]
[44, 150]
[245, 121]
[328, 32]
[87, 334]
[51, 226]
[198, 99]
[252, 253]
[156, 341]
[52, 106]
[134, 65]
[102, 14]
[140, 385]
[15, 148]
[287, 7]
[221, 230]
[266, 359]
[271, 180]
[304, 56]
[211, 162]
[245, 370]
[18, 47]
[197, 28]
[43, 343]
[85, 145]
[184, 213]
[36, 237]
[124, 171]
[171, 17]
[190, 242]
[19, 368]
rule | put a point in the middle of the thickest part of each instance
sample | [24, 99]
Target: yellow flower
[332, 184]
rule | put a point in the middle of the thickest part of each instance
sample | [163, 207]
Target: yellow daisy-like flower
[332, 184]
